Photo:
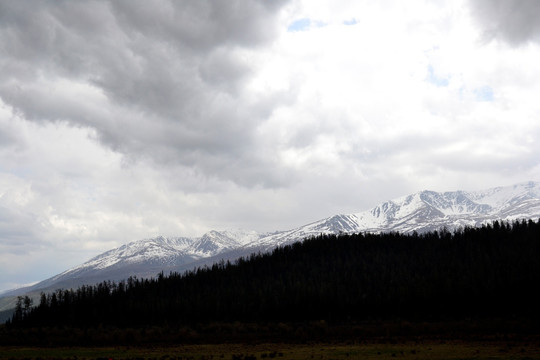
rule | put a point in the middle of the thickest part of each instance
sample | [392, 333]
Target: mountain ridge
[419, 212]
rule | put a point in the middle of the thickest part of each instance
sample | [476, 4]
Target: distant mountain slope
[426, 211]
[421, 212]
[146, 258]
[429, 210]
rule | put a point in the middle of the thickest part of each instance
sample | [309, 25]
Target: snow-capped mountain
[426, 211]
[148, 257]
[420, 212]
[429, 210]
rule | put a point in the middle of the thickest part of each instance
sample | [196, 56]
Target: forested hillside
[488, 272]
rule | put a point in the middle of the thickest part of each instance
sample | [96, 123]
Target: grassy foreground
[380, 351]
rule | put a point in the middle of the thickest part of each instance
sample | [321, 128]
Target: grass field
[380, 351]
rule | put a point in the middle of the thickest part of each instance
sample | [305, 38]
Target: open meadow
[321, 351]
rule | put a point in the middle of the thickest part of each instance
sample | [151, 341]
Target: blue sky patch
[350, 22]
[299, 25]
[304, 25]
[435, 80]
[485, 93]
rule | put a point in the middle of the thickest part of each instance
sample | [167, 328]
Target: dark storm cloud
[167, 77]
[514, 21]
[201, 24]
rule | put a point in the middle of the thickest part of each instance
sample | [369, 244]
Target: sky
[124, 120]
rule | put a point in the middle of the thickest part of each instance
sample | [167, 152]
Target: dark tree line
[487, 272]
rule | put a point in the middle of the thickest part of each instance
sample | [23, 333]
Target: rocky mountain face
[420, 212]
[429, 210]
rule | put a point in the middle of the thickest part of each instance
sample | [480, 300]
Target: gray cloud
[515, 22]
[15, 229]
[167, 76]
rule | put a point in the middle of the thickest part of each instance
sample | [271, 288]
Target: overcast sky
[123, 120]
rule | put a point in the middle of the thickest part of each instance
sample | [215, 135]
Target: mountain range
[421, 212]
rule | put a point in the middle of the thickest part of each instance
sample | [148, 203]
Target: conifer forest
[490, 272]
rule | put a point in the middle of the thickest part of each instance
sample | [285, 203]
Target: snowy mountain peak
[158, 249]
[163, 251]
[336, 224]
[453, 203]
[421, 211]
[431, 210]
